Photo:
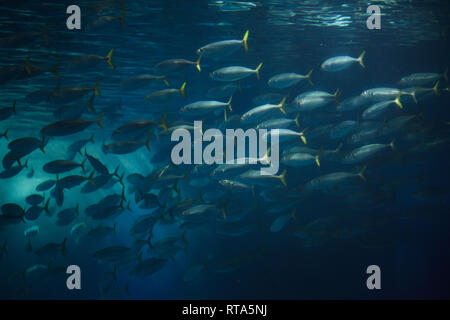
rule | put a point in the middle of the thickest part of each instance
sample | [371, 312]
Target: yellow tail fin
[183, 90]
[360, 59]
[109, 58]
[257, 70]
[122, 18]
[197, 64]
[436, 88]
[361, 173]
[308, 77]
[163, 122]
[244, 40]
[317, 160]
[166, 82]
[282, 177]
[95, 88]
[297, 123]
[281, 105]
[397, 100]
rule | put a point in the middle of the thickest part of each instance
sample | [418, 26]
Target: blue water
[391, 225]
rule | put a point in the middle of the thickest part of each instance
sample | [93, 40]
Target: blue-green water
[396, 218]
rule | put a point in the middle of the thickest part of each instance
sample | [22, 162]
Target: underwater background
[397, 218]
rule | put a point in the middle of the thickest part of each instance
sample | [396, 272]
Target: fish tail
[223, 209]
[281, 105]
[147, 145]
[116, 171]
[308, 77]
[339, 147]
[90, 178]
[14, 107]
[197, 64]
[91, 104]
[392, 144]
[413, 95]
[244, 40]
[55, 69]
[109, 58]
[166, 82]
[47, 210]
[229, 103]
[397, 100]
[99, 120]
[436, 88]
[336, 95]
[360, 59]
[163, 122]
[95, 88]
[183, 89]
[302, 136]
[5, 134]
[361, 173]
[122, 17]
[293, 216]
[257, 70]
[316, 158]
[282, 177]
[297, 123]
[42, 146]
[225, 115]
[82, 164]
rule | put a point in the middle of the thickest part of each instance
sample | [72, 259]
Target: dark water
[397, 219]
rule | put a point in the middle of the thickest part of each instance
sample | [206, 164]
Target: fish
[147, 267]
[257, 113]
[300, 160]
[234, 73]
[68, 127]
[61, 166]
[142, 81]
[31, 232]
[422, 79]
[279, 223]
[334, 180]
[286, 80]
[34, 199]
[367, 152]
[125, 147]
[52, 250]
[69, 94]
[379, 108]
[221, 49]
[7, 112]
[113, 254]
[175, 65]
[90, 60]
[166, 95]
[342, 62]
